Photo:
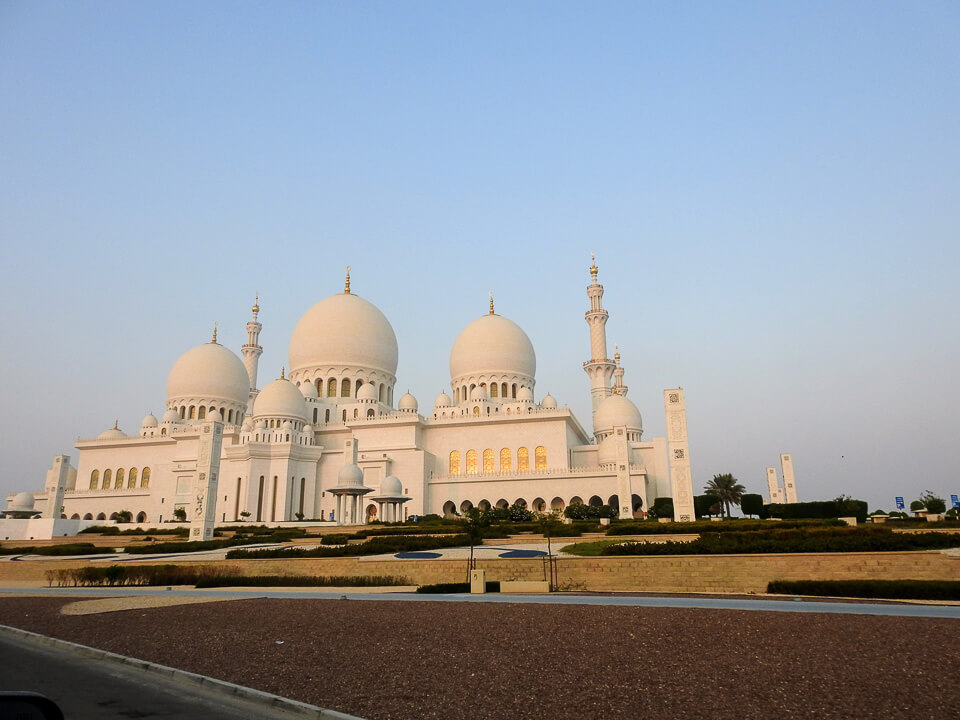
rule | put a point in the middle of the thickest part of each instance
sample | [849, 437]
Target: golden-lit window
[541, 457]
[201, 413]
[488, 460]
[119, 481]
[332, 387]
[94, 479]
[132, 478]
[471, 462]
[145, 478]
[455, 462]
[107, 476]
[506, 464]
[494, 390]
[523, 459]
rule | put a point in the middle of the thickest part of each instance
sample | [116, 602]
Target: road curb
[221, 686]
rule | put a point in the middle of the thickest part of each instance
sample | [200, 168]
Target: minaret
[618, 387]
[252, 350]
[599, 368]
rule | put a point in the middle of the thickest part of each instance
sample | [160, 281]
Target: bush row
[186, 546]
[820, 509]
[891, 589]
[113, 575]
[374, 546]
[799, 540]
[649, 527]
[492, 586]
[301, 581]
[114, 530]
[69, 549]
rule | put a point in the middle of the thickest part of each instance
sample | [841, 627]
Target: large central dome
[492, 345]
[344, 331]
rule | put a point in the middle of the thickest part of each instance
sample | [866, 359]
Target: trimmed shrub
[751, 504]
[54, 550]
[662, 508]
[819, 509]
[373, 546]
[647, 527]
[335, 539]
[301, 581]
[891, 589]
[492, 586]
[579, 511]
[136, 575]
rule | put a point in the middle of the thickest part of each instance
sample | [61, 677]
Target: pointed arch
[523, 459]
[488, 461]
[540, 457]
[145, 478]
[471, 462]
[506, 462]
[132, 478]
[94, 479]
[454, 462]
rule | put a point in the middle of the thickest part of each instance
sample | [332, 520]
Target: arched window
[503, 390]
[356, 413]
[541, 457]
[345, 388]
[229, 416]
[319, 384]
[356, 390]
[183, 411]
[222, 415]
[201, 413]
[118, 483]
[508, 411]
[141, 517]
[476, 410]
[506, 464]
[383, 392]
[454, 462]
[371, 412]
[514, 392]
[488, 460]
[326, 416]
[344, 415]
[193, 412]
[332, 387]
[315, 411]
[107, 476]
[163, 431]
[494, 390]
[132, 478]
[523, 459]
[145, 478]
[94, 479]
[471, 462]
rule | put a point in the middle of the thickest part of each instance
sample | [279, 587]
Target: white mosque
[327, 441]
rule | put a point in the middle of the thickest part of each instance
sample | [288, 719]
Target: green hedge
[373, 546]
[301, 581]
[492, 586]
[69, 549]
[818, 509]
[113, 575]
[890, 589]
[651, 527]
[186, 546]
[114, 530]
[579, 511]
[813, 540]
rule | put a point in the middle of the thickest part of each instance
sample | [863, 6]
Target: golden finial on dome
[616, 355]
[116, 423]
[283, 373]
[346, 286]
[256, 303]
[491, 303]
[214, 338]
[593, 266]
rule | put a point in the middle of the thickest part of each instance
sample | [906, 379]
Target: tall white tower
[599, 367]
[618, 386]
[773, 486]
[789, 484]
[678, 456]
[252, 350]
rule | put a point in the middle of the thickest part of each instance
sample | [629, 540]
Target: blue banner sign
[900, 504]
[955, 500]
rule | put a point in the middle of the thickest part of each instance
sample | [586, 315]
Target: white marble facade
[293, 447]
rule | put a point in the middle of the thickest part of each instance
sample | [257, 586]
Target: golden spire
[491, 302]
[283, 373]
[616, 355]
[214, 339]
[593, 266]
[256, 303]
[116, 423]
[346, 287]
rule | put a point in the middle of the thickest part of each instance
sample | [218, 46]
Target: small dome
[247, 425]
[525, 394]
[391, 486]
[261, 424]
[171, 416]
[614, 411]
[479, 393]
[112, 434]
[350, 476]
[287, 425]
[280, 398]
[407, 402]
[367, 391]
[150, 421]
[308, 390]
[443, 400]
[346, 331]
[307, 430]
[492, 344]
[549, 402]
[22, 501]
[209, 372]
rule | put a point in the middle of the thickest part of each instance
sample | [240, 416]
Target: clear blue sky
[771, 190]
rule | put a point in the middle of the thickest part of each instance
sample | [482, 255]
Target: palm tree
[727, 489]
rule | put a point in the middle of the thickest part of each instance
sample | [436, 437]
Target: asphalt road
[90, 689]
[711, 603]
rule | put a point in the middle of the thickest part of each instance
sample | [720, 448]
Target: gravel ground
[385, 660]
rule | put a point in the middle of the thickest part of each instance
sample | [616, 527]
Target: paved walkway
[704, 603]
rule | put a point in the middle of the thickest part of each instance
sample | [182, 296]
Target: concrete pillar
[789, 484]
[773, 486]
[56, 485]
[678, 456]
[204, 497]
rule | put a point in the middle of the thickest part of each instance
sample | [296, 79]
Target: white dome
[391, 486]
[307, 430]
[408, 402]
[549, 402]
[22, 501]
[525, 394]
[150, 421]
[280, 398]
[344, 330]
[614, 411]
[209, 372]
[247, 424]
[443, 400]
[112, 434]
[171, 416]
[478, 393]
[261, 424]
[350, 476]
[367, 391]
[492, 344]
[308, 390]
[287, 425]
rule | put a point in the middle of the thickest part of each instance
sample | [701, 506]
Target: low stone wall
[671, 573]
